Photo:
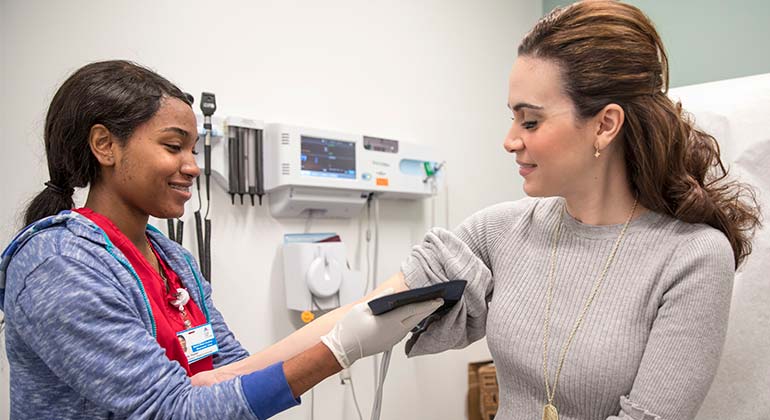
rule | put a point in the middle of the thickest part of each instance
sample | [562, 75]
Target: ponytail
[50, 201]
[676, 169]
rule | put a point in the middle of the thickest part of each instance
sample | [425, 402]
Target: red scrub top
[168, 318]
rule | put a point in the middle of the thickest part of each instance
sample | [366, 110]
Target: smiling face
[554, 150]
[154, 170]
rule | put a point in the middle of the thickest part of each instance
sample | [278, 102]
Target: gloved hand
[360, 333]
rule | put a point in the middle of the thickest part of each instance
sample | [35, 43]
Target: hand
[360, 333]
[211, 377]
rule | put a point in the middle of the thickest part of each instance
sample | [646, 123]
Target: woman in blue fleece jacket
[82, 338]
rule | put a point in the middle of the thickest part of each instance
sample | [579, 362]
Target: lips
[180, 186]
[526, 168]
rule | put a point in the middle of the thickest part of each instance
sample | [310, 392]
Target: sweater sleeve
[90, 335]
[682, 353]
[460, 255]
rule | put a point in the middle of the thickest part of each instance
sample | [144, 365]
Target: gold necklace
[159, 269]
[549, 410]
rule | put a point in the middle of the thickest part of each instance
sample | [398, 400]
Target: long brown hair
[610, 52]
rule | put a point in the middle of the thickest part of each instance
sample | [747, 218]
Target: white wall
[432, 72]
[735, 112]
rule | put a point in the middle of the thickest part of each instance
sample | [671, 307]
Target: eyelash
[177, 149]
[529, 125]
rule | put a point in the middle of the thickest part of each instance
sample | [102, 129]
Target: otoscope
[208, 106]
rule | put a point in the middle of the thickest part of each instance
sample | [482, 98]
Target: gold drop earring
[598, 153]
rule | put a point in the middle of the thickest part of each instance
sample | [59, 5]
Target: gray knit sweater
[650, 344]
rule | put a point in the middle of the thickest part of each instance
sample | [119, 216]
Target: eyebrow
[177, 130]
[521, 105]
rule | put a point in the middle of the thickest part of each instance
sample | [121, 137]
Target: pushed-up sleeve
[90, 335]
[442, 257]
[682, 353]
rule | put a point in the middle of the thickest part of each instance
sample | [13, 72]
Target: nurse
[605, 294]
[106, 317]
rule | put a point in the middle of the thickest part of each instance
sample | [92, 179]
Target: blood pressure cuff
[441, 257]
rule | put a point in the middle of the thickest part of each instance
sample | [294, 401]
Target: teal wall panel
[708, 40]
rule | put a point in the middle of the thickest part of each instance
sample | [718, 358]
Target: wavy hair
[609, 52]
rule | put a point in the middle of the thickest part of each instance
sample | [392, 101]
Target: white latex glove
[361, 334]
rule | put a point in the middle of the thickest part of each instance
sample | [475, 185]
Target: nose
[190, 167]
[513, 142]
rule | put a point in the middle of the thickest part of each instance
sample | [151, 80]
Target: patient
[605, 294]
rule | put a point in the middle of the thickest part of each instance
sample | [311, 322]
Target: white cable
[377, 406]
[368, 242]
[369, 264]
[359, 241]
[376, 259]
[309, 221]
[314, 303]
[312, 403]
[375, 365]
[376, 241]
[358, 265]
[345, 377]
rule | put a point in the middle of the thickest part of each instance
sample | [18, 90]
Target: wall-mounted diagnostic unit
[237, 157]
[331, 174]
[311, 172]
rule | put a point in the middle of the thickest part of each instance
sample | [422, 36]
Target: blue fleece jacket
[80, 334]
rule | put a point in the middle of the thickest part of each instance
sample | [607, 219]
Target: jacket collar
[85, 228]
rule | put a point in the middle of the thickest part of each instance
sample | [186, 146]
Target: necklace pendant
[187, 323]
[550, 413]
[181, 298]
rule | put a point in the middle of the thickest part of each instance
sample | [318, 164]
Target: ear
[103, 144]
[609, 121]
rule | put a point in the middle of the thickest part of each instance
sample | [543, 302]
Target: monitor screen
[328, 158]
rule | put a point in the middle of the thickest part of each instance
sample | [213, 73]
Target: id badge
[198, 342]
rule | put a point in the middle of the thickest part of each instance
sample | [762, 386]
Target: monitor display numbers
[328, 158]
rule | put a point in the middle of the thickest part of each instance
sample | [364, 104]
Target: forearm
[310, 367]
[302, 339]
[310, 334]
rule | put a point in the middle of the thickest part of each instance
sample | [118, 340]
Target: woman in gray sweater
[605, 295]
